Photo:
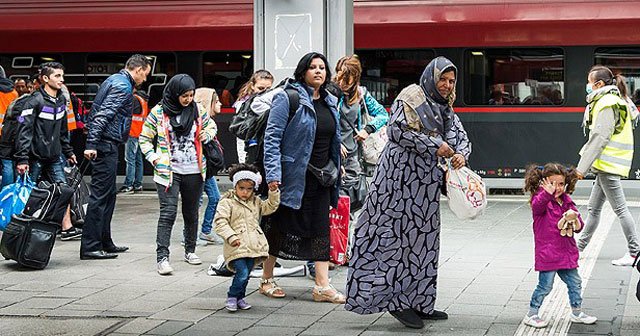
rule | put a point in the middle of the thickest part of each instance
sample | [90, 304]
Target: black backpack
[255, 125]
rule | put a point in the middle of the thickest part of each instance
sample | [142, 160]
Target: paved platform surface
[485, 282]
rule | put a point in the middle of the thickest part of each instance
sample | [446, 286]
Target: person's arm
[222, 220]
[209, 127]
[105, 113]
[148, 133]
[459, 138]
[411, 139]
[276, 125]
[270, 205]
[599, 137]
[540, 201]
[377, 111]
[25, 130]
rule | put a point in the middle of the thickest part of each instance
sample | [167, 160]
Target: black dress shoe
[409, 318]
[435, 315]
[97, 255]
[117, 249]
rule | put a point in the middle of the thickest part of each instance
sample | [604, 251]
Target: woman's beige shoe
[273, 290]
[328, 294]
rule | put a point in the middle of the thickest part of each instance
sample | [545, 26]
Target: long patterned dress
[397, 237]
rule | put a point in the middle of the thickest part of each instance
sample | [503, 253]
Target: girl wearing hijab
[181, 126]
[209, 100]
[396, 243]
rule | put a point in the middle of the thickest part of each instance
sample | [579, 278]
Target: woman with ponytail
[608, 154]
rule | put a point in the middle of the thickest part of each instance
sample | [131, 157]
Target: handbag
[339, 231]
[327, 175]
[358, 192]
[373, 145]
[215, 156]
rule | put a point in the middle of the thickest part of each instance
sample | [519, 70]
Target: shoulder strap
[294, 101]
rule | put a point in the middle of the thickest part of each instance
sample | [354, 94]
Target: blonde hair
[349, 71]
[249, 87]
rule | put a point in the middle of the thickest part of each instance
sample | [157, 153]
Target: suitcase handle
[81, 169]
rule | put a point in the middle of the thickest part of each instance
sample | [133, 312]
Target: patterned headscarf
[436, 112]
[431, 76]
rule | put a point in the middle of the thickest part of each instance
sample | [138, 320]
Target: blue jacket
[110, 116]
[288, 145]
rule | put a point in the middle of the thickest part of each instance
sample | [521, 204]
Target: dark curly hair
[241, 166]
[535, 174]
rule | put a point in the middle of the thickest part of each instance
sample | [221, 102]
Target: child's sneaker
[242, 304]
[535, 321]
[626, 260]
[192, 259]
[231, 304]
[583, 318]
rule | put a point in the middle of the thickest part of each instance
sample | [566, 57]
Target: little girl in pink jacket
[555, 219]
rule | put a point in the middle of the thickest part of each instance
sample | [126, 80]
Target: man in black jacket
[108, 127]
[42, 133]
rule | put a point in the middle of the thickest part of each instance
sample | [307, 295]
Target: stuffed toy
[569, 223]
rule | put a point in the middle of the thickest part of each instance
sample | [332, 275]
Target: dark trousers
[243, 267]
[190, 188]
[96, 234]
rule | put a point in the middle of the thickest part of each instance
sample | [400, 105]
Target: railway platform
[486, 278]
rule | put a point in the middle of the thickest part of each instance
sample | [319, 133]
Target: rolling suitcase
[28, 241]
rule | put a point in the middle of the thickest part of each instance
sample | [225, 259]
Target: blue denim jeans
[8, 173]
[54, 171]
[243, 267]
[135, 165]
[545, 285]
[213, 193]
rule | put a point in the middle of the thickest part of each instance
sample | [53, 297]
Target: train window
[226, 72]
[514, 76]
[25, 65]
[625, 61]
[100, 66]
[386, 72]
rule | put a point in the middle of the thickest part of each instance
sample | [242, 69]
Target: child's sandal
[274, 291]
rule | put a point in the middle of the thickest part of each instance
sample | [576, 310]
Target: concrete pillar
[285, 30]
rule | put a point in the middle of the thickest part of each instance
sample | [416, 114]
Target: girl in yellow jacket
[237, 220]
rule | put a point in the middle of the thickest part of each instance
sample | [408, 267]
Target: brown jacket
[236, 219]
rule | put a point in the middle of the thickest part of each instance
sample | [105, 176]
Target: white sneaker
[535, 321]
[583, 318]
[626, 260]
[192, 259]
[164, 268]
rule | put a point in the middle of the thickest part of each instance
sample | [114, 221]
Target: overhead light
[48, 59]
[246, 56]
[477, 53]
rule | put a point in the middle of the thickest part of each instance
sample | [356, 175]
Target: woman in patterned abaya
[397, 238]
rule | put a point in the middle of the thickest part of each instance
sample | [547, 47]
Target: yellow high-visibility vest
[616, 157]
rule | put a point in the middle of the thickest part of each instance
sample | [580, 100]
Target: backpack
[254, 125]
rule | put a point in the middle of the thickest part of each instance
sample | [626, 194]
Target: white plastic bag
[466, 192]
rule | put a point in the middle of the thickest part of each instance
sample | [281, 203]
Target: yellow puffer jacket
[237, 219]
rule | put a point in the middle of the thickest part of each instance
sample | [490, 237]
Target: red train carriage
[522, 63]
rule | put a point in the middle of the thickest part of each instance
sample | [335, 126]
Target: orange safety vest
[137, 120]
[71, 117]
[5, 101]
